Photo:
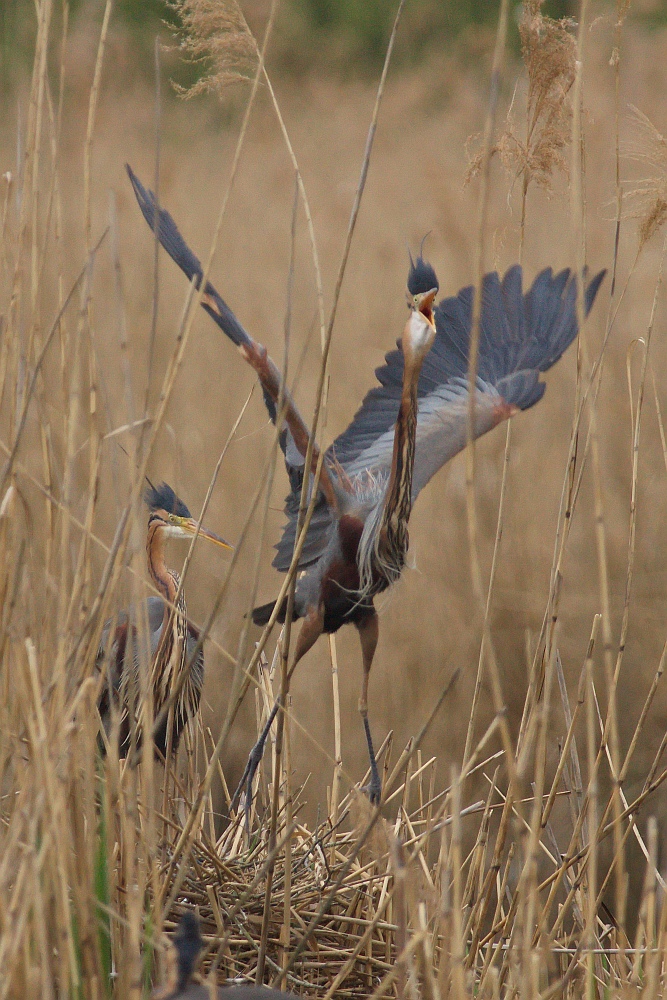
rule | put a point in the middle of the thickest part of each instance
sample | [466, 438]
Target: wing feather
[520, 336]
[294, 439]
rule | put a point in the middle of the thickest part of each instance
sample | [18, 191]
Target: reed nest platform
[341, 876]
[424, 897]
[353, 945]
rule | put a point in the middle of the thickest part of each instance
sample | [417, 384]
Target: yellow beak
[189, 525]
[423, 303]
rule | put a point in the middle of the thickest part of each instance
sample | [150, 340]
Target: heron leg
[368, 635]
[254, 760]
[310, 632]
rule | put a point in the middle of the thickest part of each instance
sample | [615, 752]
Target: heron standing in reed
[408, 426]
[171, 637]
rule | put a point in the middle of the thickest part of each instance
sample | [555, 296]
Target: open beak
[189, 524]
[423, 303]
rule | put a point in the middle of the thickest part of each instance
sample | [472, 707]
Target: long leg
[310, 632]
[368, 634]
[253, 762]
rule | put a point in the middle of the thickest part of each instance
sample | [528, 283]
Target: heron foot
[374, 787]
[254, 760]
[373, 790]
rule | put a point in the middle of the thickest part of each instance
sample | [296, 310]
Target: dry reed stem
[321, 381]
[489, 594]
[284, 646]
[498, 56]
[156, 241]
[92, 110]
[335, 894]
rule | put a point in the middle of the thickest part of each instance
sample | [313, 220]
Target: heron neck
[163, 578]
[398, 502]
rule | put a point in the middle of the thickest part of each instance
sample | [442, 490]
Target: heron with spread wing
[172, 638]
[408, 426]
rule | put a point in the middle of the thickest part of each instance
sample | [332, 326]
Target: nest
[346, 879]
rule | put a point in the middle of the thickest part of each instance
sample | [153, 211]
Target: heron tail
[261, 615]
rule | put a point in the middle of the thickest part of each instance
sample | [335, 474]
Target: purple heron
[408, 426]
[172, 637]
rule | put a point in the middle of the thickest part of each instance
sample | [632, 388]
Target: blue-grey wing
[520, 336]
[154, 606]
[155, 615]
[170, 237]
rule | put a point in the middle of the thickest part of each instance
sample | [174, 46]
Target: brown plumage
[408, 426]
[173, 639]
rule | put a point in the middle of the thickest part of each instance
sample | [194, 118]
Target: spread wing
[520, 336]
[294, 438]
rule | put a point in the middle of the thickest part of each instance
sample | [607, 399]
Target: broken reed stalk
[578, 218]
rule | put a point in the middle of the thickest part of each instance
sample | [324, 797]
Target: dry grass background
[415, 186]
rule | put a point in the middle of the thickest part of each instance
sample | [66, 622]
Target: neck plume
[384, 542]
[393, 537]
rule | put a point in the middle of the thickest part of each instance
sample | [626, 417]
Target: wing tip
[593, 287]
[522, 389]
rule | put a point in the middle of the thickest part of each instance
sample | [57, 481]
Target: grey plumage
[520, 336]
[413, 422]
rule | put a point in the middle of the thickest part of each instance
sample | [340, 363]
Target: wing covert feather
[520, 336]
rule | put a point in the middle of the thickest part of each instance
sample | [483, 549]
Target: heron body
[171, 639]
[408, 426]
[127, 679]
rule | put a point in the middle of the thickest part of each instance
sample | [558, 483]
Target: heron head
[175, 519]
[423, 287]
[421, 277]
[420, 328]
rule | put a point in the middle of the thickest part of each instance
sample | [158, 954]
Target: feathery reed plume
[649, 194]
[215, 32]
[444, 895]
[548, 48]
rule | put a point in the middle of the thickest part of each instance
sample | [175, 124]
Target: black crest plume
[421, 277]
[188, 944]
[162, 497]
